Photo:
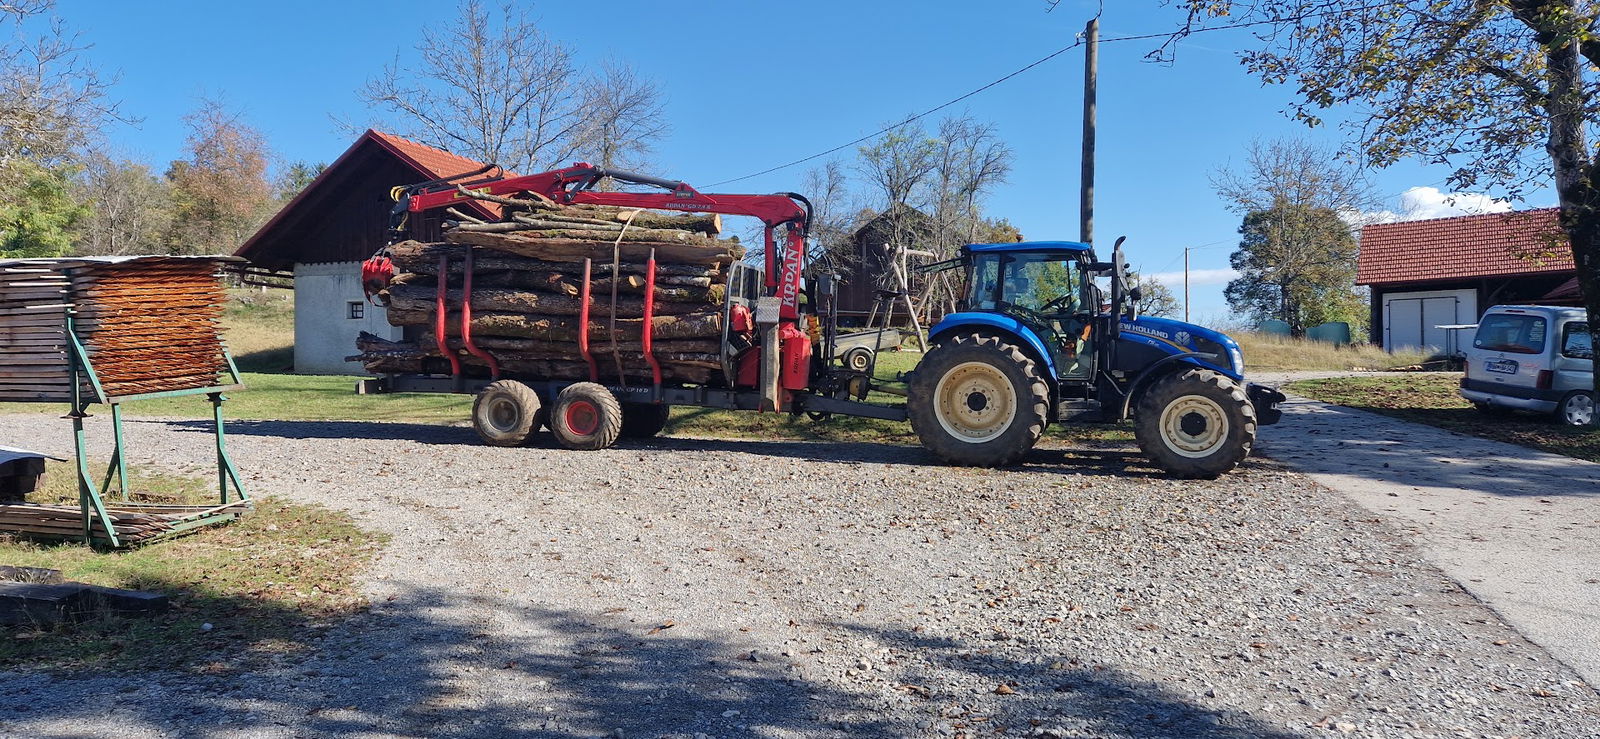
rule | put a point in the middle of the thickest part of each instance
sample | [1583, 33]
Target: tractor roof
[1066, 247]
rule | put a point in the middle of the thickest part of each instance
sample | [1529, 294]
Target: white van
[1535, 358]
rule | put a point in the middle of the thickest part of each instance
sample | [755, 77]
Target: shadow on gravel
[1057, 460]
[410, 668]
[1076, 699]
[421, 433]
[1325, 438]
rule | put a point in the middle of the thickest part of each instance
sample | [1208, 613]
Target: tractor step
[1078, 409]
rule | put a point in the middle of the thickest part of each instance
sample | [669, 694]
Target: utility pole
[1186, 284]
[1091, 78]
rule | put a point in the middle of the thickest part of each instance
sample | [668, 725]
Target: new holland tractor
[1037, 341]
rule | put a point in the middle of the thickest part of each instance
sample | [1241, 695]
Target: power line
[1075, 44]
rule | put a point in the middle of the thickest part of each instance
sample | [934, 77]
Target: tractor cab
[1045, 286]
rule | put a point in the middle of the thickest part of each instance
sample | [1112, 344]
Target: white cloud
[1421, 203]
[1174, 280]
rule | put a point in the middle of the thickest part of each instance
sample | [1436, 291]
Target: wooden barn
[1426, 274]
[325, 232]
[866, 268]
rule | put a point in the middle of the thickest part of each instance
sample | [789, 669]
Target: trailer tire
[977, 400]
[1195, 424]
[506, 413]
[585, 416]
[858, 359]
[644, 420]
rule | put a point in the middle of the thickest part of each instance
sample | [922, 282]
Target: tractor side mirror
[1134, 296]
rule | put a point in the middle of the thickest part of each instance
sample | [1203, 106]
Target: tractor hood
[1177, 337]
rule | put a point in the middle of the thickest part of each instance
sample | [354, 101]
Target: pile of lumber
[527, 283]
[134, 523]
[148, 324]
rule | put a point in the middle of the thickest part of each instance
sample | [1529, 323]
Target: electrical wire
[1078, 42]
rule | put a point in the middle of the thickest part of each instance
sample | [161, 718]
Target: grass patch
[259, 328]
[263, 583]
[1431, 398]
[1271, 352]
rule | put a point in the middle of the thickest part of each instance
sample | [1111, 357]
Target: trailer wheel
[976, 400]
[586, 416]
[644, 420]
[1195, 424]
[858, 359]
[506, 413]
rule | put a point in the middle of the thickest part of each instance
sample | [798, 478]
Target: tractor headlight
[1237, 358]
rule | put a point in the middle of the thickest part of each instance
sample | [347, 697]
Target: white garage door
[1411, 320]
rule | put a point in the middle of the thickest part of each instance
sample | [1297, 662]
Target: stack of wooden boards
[527, 286]
[135, 523]
[148, 324]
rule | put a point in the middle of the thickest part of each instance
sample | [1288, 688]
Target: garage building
[1439, 272]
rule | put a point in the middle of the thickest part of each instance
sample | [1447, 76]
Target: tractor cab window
[1041, 283]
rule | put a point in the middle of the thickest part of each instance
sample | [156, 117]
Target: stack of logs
[526, 294]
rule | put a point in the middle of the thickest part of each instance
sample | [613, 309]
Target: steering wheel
[1063, 300]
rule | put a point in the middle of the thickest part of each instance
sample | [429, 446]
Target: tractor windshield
[1038, 283]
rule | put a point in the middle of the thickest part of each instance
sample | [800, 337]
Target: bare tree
[832, 213]
[621, 116]
[502, 91]
[128, 208]
[51, 99]
[970, 160]
[1293, 172]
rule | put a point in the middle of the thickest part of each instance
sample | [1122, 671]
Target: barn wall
[324, 332]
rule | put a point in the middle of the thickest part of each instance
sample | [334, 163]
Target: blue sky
[751, 84]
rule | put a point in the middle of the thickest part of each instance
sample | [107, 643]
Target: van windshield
[1511, 332]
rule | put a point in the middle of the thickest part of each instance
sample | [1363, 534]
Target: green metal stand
[91, 497]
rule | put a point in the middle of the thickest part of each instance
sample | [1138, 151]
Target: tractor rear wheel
[1195, 424]
[644, 420]
[977, 400]
[586, 416]
[505, 413]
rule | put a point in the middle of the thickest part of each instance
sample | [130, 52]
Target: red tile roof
[435, 162]
[1464, 247]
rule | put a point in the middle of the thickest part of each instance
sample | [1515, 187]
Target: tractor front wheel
[1195, 424]
[977, 400]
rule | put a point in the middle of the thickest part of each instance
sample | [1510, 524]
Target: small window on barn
[356, 309]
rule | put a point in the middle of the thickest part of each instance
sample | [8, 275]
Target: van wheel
[505, 413]
[586, 416]
[1195, 424]
[1577, 409]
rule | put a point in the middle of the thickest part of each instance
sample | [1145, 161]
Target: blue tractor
[1037, 341]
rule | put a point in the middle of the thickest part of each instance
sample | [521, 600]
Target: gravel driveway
[727, 588]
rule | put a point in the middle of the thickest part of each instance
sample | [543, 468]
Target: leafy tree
[51, 100]
[1506, 92]
[220, 192]
[1296, 264]
[1155, 299]
[297, 177]
[37, 216]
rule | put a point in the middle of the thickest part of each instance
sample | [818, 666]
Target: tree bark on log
[416, 256]
[417, 297]
[367, 342]
[541, 368]
[575, 246]
[564, 328]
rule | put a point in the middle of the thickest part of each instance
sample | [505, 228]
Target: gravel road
[731, 588]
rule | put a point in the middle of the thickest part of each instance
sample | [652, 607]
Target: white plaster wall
[324, 334]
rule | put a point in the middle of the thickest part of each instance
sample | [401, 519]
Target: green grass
[259, 326]
[294, 398]
[264, 582]
[1431, 398]
[1270, 352]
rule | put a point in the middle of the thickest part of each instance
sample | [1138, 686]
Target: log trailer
[1035, 342]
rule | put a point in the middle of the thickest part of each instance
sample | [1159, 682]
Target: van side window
[1577, 342]
[1511, 332]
